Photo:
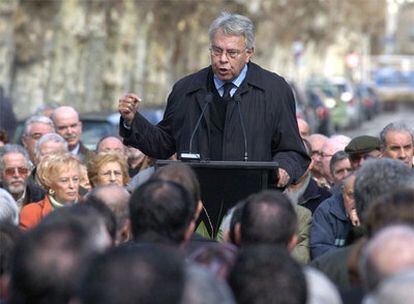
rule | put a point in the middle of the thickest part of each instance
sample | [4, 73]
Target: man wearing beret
[361, 148]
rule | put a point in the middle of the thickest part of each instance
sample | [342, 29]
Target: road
[374, 126]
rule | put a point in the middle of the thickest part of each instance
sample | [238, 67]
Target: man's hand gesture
[128, 107]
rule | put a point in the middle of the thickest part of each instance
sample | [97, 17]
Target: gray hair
[36, 119]
[13, 148]
[233, 24]
[46, 106]
[320, 289]
[377, 177]
[386, 242]
[201, 286]
[338, 156]
[9, 212]
[395, 127]
[397, 289]
[54, 137]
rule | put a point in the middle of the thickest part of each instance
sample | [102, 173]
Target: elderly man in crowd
[69, 126]
[362, 148]
[317, 141]
[379, 259]
[15, 168]
[51, 143]
[111, 144]
[34, 128]
[397, 142]
[330, 147]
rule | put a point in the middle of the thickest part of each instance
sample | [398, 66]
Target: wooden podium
[224, 183]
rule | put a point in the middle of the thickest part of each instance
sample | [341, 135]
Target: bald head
[117, 199]
[329, 148]
[389, 252]
[303, 127]
[111, 144]
[67, 125]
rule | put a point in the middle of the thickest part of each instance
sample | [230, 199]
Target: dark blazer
[268, 110]
[313, 196]
[34, 193]
[84, 153]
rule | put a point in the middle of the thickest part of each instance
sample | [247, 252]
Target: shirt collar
[237, 81]
[75, 150]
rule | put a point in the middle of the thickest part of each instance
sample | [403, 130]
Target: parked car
[331, 99]
[370, 101]
[322, 112]
[346, 93]
[96, 126]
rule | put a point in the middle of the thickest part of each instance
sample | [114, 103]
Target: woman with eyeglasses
[59, 174]
[107, 168]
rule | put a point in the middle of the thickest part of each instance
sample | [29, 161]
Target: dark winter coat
[268, 110]
[330, 225]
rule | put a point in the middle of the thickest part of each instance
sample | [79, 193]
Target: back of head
[267, 274]
[389, 252]
[9, 234]
[268, 217]
[117, 200]
[378, 177]
[397, 289]
[9, 212]
[390, 209]
[134, 274]
[48, 261]
[181, 174]
[202, 287]
[320, 289]
[106, 214]
[161, 211]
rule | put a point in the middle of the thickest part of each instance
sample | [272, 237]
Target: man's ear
[199, 207]
[125, 233]
[24, 141]
[292, 243]
[237, 234]
[189, 232]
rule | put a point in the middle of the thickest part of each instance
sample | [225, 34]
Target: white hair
[9, 212]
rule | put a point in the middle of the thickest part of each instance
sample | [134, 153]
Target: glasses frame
[230, 54]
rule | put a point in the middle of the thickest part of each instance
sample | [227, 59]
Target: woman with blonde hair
[107, 168]
[59, 174]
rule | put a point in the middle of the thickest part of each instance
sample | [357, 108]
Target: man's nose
[402, 153]
[223, 57]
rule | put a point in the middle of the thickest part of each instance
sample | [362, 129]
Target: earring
[51, 192]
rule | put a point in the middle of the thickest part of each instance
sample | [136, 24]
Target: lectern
[224, 183]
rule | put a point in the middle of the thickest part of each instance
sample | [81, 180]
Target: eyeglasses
[109, 173]
[36, 136]
[217, 52]
[325, 155]
[19, 170]
[321, 154]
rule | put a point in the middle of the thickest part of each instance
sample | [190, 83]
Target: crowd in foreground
[106, 226]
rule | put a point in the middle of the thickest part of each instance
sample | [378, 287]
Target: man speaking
[231, 110]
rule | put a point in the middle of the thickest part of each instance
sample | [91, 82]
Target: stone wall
[87, 53]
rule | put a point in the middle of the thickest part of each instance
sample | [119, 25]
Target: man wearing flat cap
[361, 148]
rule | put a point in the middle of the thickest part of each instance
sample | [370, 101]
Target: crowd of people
[108, 226]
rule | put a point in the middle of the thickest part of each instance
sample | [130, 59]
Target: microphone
[190, 155]
[238, 100]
